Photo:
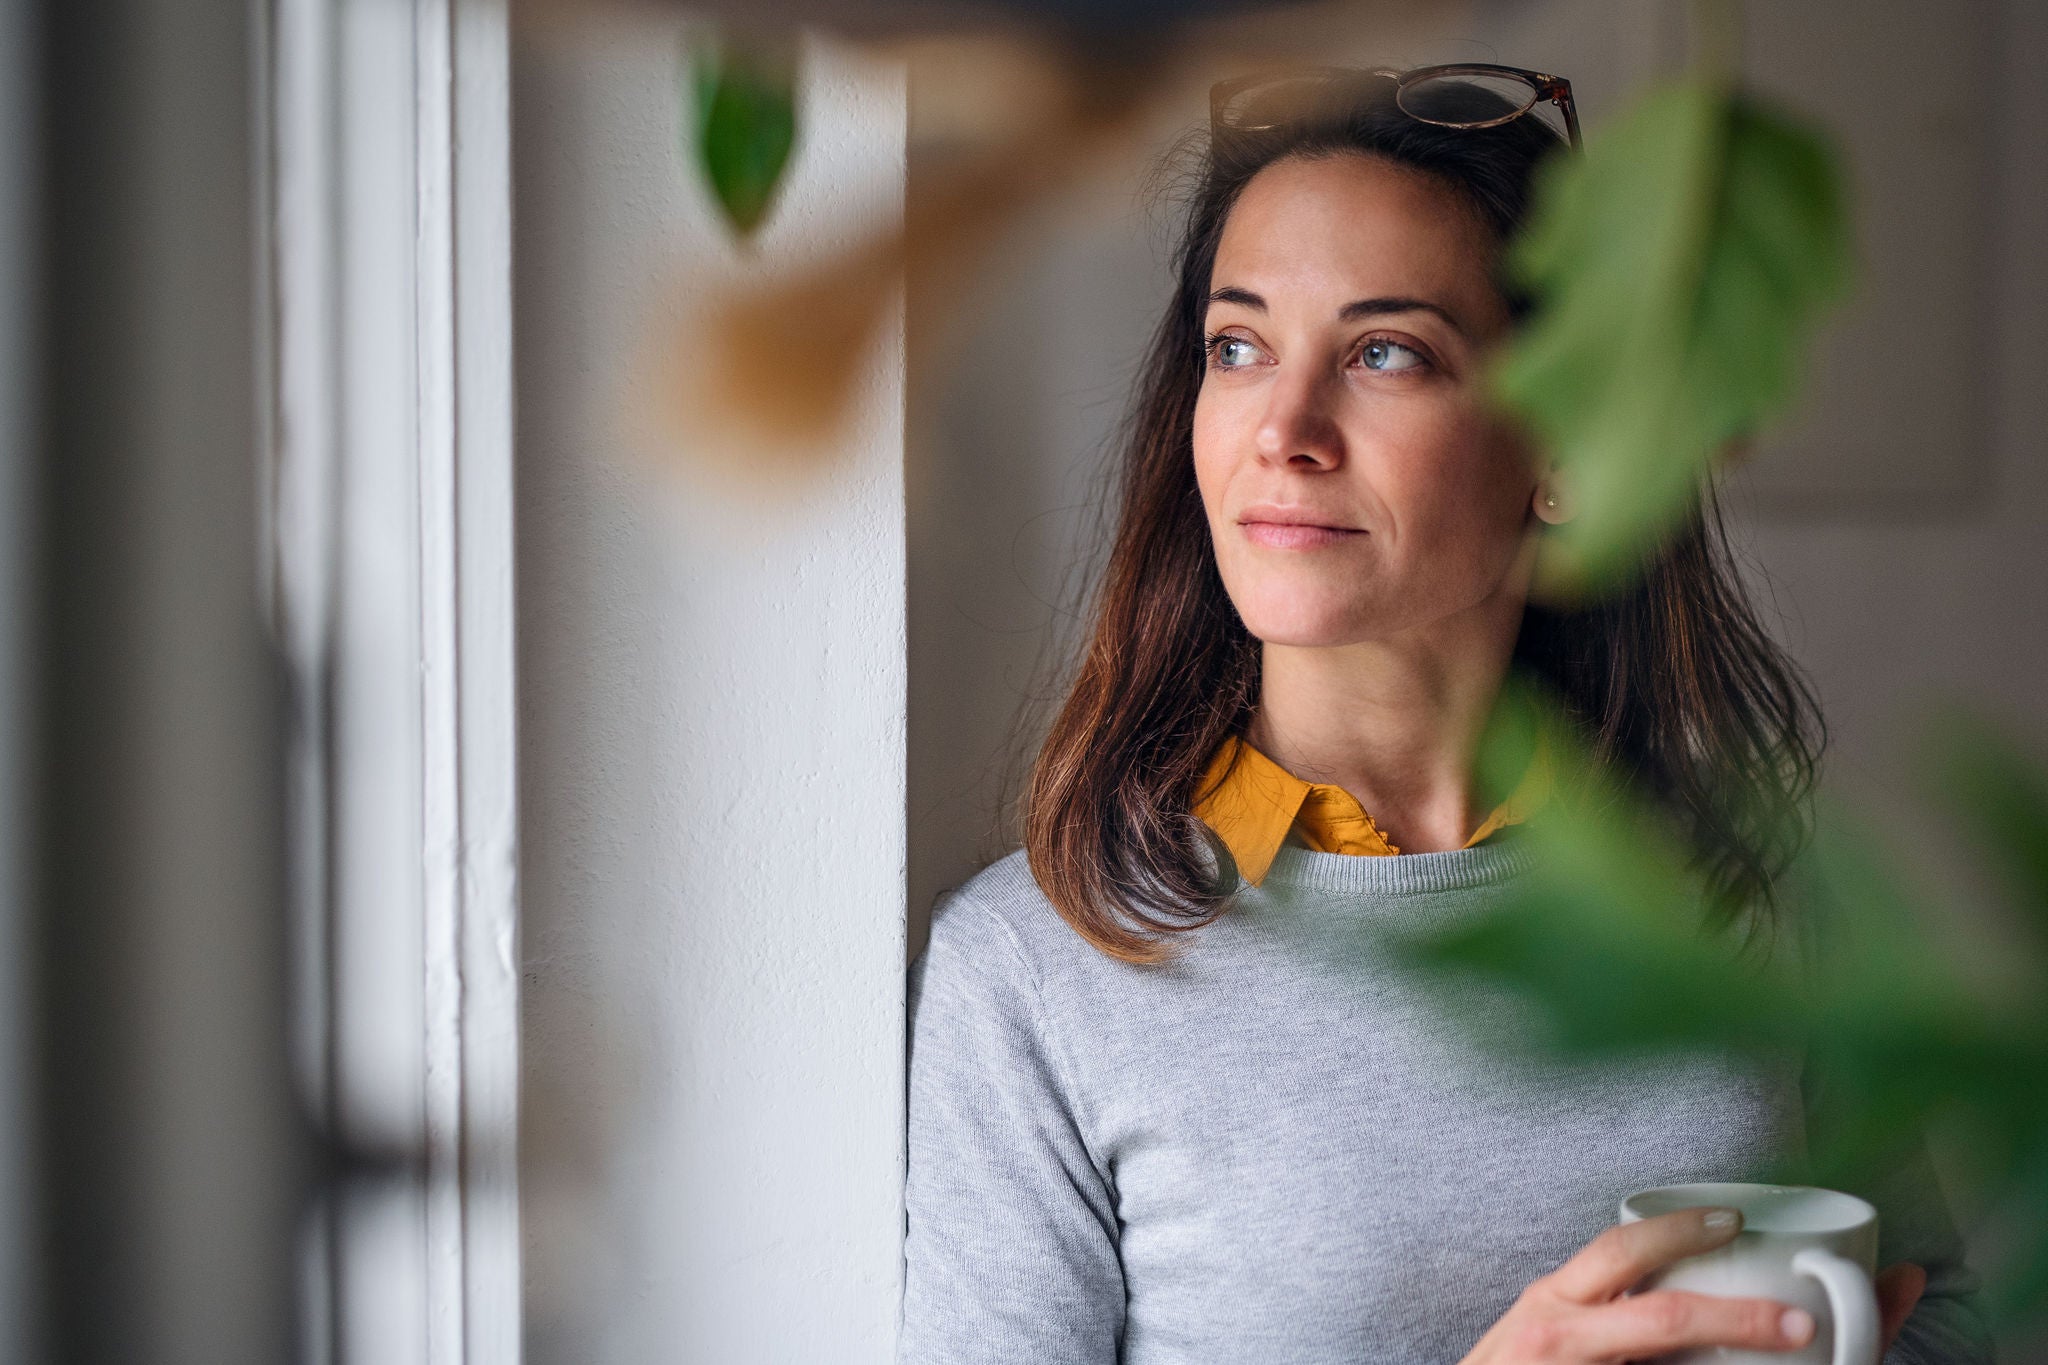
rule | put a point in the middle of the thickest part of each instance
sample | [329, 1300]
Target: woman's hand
[1577, 1315]
[1898, 1289]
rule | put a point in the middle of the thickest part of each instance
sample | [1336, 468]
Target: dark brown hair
[1670, 680]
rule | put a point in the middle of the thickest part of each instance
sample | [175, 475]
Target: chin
[1306, 620]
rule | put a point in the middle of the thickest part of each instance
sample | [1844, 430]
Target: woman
[1167, 1102]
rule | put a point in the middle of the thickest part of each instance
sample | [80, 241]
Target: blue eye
[1390, 356]
[1381, 354]
[1229, 352]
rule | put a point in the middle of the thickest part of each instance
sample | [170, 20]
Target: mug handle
[1852, 1300]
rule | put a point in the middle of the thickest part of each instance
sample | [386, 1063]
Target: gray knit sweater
[1279, 1149]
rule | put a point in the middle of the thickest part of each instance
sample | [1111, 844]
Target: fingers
[1899, 1288]
[1671, 1320]
[1614, 1261]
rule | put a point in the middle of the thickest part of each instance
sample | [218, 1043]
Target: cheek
[1207, 445]
[1466, 482]
[1452, 487]
[1212, 447]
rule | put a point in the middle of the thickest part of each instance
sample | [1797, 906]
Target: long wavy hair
[1670, 680]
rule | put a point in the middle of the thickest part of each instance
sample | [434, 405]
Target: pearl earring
[1550, 499]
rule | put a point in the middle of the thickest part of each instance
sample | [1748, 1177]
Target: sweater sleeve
[1948, 1326]
[1010, 1253]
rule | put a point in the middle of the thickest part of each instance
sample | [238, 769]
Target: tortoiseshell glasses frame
[1236, 103]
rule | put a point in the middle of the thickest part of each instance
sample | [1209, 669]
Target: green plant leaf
[744, 98]
[1679, 267]
[1999, 797]
[1605, 935]
[1606, 941]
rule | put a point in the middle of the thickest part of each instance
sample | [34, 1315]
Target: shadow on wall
[1014, 400]
[576, 1058]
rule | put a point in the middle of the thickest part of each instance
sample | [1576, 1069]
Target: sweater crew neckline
[1507, 855]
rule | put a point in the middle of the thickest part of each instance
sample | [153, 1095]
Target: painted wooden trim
[486, 952]
[392, 502]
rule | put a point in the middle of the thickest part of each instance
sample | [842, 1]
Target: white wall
[712, 681]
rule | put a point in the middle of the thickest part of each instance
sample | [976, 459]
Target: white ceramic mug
[1803, 1246]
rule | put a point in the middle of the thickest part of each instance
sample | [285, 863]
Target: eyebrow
[1351, 312]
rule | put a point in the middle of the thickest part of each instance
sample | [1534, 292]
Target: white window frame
[389, 490]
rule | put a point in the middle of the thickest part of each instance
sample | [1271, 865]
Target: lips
[1293, 528]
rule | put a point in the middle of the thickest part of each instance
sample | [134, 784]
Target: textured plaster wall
[712, 712]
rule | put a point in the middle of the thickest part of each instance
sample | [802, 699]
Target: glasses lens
[1286, 98]
[1462, 99]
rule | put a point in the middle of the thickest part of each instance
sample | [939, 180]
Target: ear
[1551, 501]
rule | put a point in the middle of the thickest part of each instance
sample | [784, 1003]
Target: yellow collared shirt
[1253, 803]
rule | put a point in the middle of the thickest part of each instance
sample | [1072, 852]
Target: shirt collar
[1252, 803]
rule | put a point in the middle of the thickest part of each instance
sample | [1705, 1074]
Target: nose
[1298, 429]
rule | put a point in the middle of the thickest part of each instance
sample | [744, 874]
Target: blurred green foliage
[1679, 266]
[1606, 939]
[744, 98]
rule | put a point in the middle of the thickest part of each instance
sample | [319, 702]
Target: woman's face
[1354, 482]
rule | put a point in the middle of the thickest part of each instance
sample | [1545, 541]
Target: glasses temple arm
[1559, 93]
